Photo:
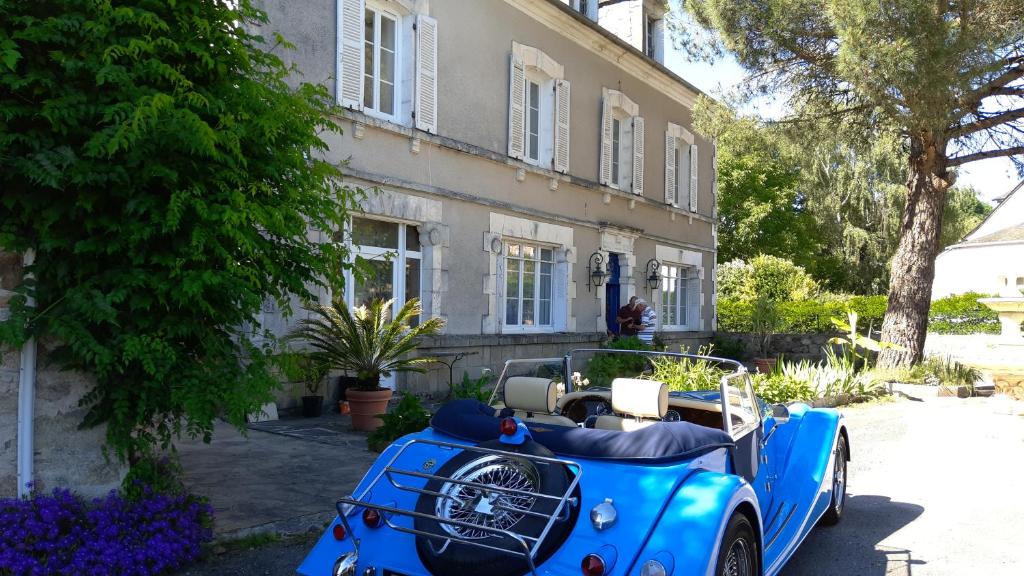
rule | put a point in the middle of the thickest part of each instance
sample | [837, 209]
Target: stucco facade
[467, 200]
[990, 259]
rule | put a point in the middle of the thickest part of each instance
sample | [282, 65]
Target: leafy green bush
[687, 374]
[962, 314]
[166, 166]
[726, 347]
[473, 388]
[803, 316]
[946, 370]
[408, 416]
[776, 388]
[765, 276]
[603, 368]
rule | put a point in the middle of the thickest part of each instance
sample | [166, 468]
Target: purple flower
[60, 534]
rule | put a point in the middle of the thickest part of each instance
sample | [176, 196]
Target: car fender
[692, 525]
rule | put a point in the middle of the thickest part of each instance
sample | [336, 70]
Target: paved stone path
[284, 477]
[934, 490]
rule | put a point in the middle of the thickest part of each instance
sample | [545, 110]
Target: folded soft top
[474, 421]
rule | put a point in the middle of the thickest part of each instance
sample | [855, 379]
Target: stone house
[531, 165]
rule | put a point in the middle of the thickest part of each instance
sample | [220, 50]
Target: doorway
[611, 294]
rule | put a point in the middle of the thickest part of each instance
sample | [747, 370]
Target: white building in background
[990, 259]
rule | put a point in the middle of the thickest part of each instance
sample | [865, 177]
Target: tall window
[649, 37]
[379, 59]
[616, 148]
[533, 127]
[392, 252]
[528, 285]
[678, 293]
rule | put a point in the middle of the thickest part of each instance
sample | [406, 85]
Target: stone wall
[790, 346]
[64, 455]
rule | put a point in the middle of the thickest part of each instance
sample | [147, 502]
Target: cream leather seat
[644, 402]
[534, 400]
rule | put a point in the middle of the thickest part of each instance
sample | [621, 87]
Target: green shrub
[473, 388]
[726, 347]
[962, 314]
[687, 374]
[408, 416]
[603, 368]
[776, 388]
[946, 370]
[765, 276]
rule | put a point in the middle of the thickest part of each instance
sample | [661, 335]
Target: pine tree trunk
[913, 265]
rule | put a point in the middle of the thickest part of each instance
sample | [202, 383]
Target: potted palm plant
[366, 343]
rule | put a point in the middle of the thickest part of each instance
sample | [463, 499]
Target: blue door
[611, 294]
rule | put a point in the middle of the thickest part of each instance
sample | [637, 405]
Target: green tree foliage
[166, 174]
[944, 76]
[767, 277]
[837, 214]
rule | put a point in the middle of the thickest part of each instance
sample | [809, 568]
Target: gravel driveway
[935, 489]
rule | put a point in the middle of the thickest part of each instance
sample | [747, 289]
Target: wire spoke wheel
[496, 509]
[738, 561]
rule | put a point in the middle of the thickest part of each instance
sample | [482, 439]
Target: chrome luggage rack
[530, 545]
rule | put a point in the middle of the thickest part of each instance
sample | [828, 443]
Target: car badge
[429, 464]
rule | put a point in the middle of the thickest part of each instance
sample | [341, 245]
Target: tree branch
[985, 123]
[974, 98]
[967, 158]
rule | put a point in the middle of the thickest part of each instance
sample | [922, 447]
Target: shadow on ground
[852, 548]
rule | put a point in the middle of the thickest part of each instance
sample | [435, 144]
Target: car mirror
[780, 413]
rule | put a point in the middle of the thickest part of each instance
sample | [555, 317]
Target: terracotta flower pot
[765, 365]
[366, 406]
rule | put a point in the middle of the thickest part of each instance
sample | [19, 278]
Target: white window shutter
[693, 177]
[693, 319]
[350, 53]
[516, 109]
[605, 176]
[562, 100]
[638, 155]
[670, 169]
[426, 73]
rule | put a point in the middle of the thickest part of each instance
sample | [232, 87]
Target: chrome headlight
[346, 565]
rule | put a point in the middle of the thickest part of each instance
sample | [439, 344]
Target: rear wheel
[834, 513]
[501, 511]
[737, 556]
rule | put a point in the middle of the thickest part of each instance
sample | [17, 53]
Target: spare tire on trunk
[496, 510]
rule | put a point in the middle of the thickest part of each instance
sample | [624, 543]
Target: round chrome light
[653, 568]
[603, 515]
[346, 565]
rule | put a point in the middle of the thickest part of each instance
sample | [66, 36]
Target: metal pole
[26, 405]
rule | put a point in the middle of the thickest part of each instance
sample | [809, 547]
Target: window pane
[412, 238]
[377, 284]
[366, 232]
[529, 252]
[546, 254]
[682, 301]
[544, 303]
[513, 250]
[544, 317]
[368, 54]
[533, 120]
[387, 33]
[412, 283]
[511, 291]
[387, 98]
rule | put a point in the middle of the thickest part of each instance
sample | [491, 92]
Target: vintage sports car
[556, 476]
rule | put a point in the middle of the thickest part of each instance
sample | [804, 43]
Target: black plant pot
[312, 406]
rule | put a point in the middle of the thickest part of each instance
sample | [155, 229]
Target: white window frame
[679, 280]
[398, 261]
[380, 10]
[616, 106]
[536, 327]
[545, 118]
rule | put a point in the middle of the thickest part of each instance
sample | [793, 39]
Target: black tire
[834, 513]
[738, 555]
[456, 558]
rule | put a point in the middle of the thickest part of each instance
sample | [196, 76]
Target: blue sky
[990, 178]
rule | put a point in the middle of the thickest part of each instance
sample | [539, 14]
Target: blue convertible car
[556, 476]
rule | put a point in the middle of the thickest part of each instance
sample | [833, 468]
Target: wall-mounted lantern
[595, 271]
[653, 274]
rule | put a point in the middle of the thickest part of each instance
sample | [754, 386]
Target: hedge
[960, 314]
